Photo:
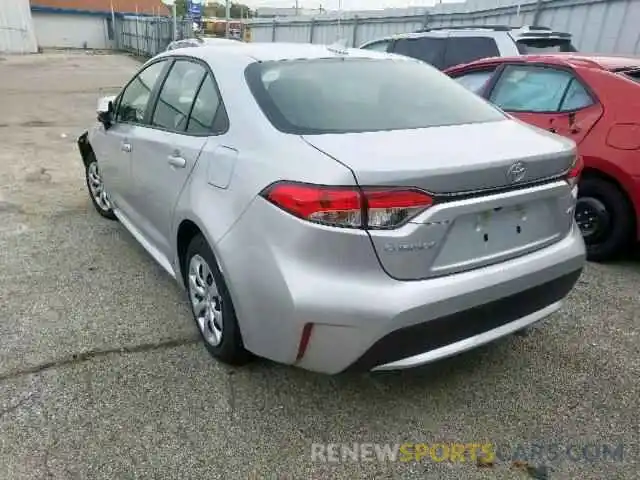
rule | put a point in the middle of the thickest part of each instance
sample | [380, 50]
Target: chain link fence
[148, 36]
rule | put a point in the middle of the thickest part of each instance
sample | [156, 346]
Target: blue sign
[194, 7]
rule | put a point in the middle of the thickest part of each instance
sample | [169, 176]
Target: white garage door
[59, 30]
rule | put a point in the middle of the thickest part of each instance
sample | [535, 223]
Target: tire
[606, 219]
[99, 197]
[216, 321]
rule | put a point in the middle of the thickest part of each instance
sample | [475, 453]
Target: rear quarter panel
[620, 99]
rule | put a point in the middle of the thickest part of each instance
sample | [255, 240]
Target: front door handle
[126, 147]
[177, 161]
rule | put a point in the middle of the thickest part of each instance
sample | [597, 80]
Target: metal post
[227, 15]
[273, 31]
[425, 20]
[354, 37]
[311, 28]
[175, 22]
[538, 12]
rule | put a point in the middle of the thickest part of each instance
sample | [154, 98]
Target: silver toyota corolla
[336, 209]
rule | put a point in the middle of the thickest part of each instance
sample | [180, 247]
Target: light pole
[175, 22]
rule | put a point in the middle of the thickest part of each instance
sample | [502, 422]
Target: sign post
[194, 7]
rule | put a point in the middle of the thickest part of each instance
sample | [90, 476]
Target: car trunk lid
[484, 212]
[449, 160]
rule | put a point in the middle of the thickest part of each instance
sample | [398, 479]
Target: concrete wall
[16, 27]
[68, 30]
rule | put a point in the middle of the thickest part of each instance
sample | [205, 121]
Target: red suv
[595, 101]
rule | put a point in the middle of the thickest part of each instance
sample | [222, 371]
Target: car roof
[600, 62]
[486, 30]
[278, 51]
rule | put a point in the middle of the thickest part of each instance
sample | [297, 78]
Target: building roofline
[98, 13]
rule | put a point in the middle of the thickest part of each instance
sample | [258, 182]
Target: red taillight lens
[349, 207]
[330, 205]
[390, 208]
[574, 174]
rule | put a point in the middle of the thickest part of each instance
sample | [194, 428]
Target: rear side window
[206, 109]
[475, 81]
[430, 50]
[539, 89]
[467, 49]
[544, 45]
[348, 95]
[378, 46]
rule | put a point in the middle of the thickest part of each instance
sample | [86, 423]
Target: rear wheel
[97, 192]
[605, 218]
[211, 304]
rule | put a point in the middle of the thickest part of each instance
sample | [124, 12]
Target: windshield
[545, 45]
[343, 95]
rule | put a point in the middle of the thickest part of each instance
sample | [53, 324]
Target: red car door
[551, 98]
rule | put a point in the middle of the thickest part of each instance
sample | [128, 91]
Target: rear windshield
[632, 74]
[545, 45]
[344, 95]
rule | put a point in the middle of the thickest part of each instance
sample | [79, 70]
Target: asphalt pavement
[102, 375]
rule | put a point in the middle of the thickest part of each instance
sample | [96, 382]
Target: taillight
[350, 207]
[573, 177]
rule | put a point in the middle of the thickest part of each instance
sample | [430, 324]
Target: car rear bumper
[361, 318]
[452, 334]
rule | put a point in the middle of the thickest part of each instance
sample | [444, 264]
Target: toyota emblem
[517, 172]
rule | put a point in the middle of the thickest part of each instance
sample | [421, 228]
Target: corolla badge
[408, 247]
[517, 172]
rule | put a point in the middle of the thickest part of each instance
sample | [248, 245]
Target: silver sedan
[336, 209]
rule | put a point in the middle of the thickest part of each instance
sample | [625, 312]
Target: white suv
[448, 46]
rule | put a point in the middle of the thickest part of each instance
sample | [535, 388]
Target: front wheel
[97, 192]
[605, 218]
[211, 305]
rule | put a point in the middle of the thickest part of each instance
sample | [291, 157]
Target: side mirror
[105, 111]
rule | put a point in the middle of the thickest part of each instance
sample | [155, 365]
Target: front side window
[177, 95]
[347, 95]
[539, 89]
[430, 50]
[467, 49]
[378, 46]
[475, 81]
[133, 101]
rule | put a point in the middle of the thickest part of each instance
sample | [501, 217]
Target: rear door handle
[126, 147]
[177, 161]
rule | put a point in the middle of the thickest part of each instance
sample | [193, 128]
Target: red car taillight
[350, 207]
[573, 177]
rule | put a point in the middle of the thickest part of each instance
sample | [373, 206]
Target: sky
[346, 4]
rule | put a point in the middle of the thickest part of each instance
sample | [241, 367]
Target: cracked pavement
[102, 375]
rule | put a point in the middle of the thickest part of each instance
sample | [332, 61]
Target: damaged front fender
[85, 147]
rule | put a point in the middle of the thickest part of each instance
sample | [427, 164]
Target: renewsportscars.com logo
[466, 452]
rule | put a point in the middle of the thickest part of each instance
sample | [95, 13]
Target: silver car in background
[202, 42]
[337, 209]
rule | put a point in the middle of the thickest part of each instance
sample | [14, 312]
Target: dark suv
[448, 46]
